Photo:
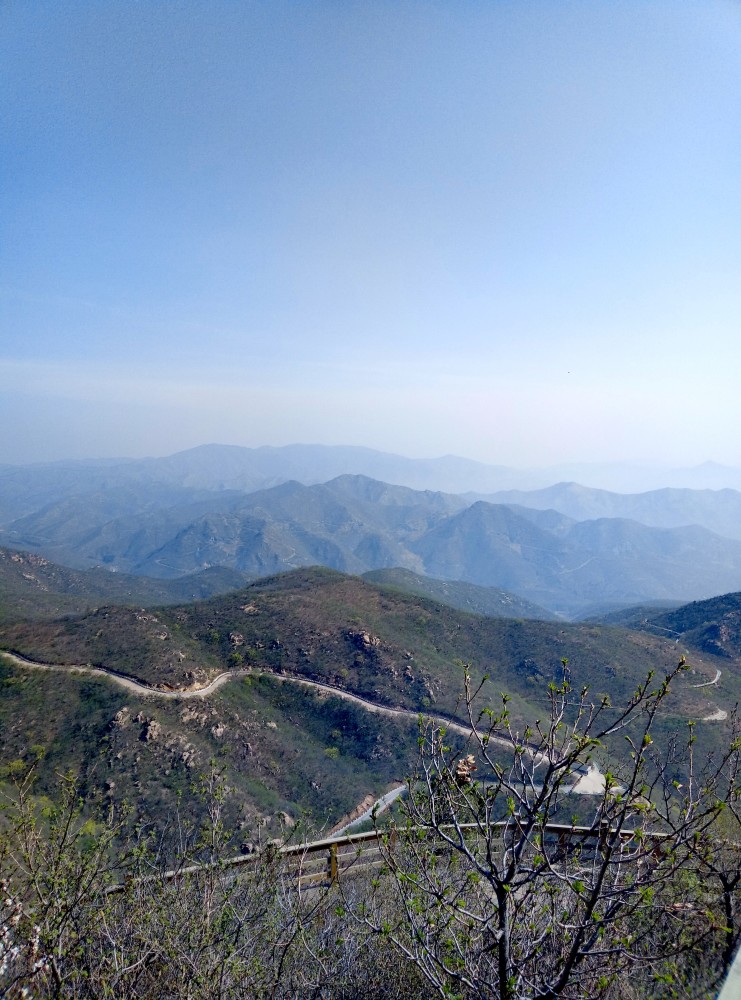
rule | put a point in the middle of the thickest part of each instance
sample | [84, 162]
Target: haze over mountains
[566, 547]
[129, 536]
[221, 467]
[716, 510]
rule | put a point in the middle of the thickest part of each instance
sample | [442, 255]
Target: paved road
[707, 684]
[590, 781]
[379, 806]
[128, 682]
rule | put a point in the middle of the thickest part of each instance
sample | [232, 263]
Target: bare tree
[496, 899]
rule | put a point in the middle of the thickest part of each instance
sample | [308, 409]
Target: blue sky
[507, 230]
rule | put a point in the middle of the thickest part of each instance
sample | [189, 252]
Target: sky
[508, 230]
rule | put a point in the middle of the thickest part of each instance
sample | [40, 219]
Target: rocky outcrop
[363, 640]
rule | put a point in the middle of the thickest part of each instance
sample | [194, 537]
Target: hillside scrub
[270, 739]
[85, 914]
[478, 895]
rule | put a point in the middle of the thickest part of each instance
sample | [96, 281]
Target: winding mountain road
[589, 782]
[124, 680]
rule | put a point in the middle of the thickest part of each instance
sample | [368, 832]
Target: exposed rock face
[151, 730]
[363, 640]
[120, 719]
[182, 751]
[194, 713]
[28, 559]
[715, 639]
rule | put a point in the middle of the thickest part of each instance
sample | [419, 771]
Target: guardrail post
[604, 833]
[563, 846]
[333, 868]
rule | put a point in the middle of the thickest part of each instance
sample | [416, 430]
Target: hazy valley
[145, 549]
[568, 549]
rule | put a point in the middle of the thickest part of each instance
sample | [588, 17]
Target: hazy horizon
[510, 232]
[431, 456]
[619, 477]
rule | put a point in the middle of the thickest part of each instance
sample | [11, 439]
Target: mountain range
[567, 548]
[355, 524]
[26, 488]
[286, 748]
[247, 563]
[717, 510]
[33, 587]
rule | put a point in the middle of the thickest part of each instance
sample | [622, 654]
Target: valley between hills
[269, 621]
[309, 750]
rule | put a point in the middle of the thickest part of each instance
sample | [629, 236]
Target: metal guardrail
[320, 861]
[324, 862]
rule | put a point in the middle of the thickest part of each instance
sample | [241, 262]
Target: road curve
[707, 684]
[202, 692]
[379, 806]
[589, 782]
[124, 680]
